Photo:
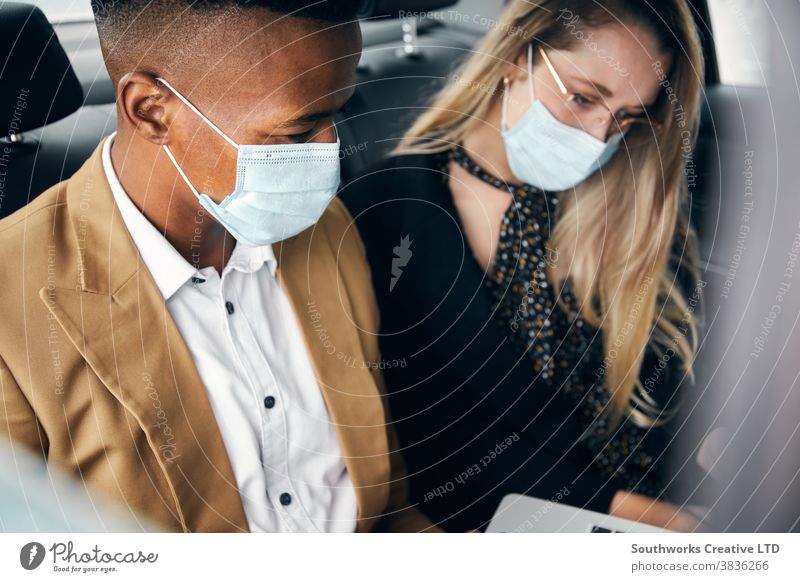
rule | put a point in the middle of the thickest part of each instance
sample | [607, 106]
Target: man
[188, 325]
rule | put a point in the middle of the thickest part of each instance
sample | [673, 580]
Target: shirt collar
[169, 269]
[250, 259]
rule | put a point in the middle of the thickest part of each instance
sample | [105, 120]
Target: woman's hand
[650, 511]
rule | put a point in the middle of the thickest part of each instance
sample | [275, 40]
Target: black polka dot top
[566, 352]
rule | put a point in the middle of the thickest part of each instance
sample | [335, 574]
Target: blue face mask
[547, 153]
[280, 191]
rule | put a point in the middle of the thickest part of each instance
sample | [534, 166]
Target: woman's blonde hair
[624, 275]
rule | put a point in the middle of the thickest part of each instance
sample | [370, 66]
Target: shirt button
[286, 499]
[269, 401]
[229, 307]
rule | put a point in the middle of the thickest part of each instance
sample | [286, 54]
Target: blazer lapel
[307, 271]
[117, 319]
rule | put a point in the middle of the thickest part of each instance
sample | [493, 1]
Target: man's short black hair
[329, 10]
[165, 35]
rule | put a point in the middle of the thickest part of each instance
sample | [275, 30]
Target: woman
[534, 267]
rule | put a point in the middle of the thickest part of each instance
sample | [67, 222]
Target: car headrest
[395, 8]
[38, 85]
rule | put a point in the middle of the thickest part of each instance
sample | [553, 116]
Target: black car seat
[397, 76]
[37, 87]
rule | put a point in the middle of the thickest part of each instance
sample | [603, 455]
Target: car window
[65, 10]
[738, 27]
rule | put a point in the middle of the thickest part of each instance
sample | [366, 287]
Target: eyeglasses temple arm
[552, 70]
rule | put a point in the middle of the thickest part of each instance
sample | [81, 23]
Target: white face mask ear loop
[506, 83]
[504, 120]
[197, 112]
[530, 73]
[181, 172]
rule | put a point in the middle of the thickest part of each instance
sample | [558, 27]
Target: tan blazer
[96, 377]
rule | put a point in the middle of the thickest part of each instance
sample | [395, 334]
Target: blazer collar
[116, 317]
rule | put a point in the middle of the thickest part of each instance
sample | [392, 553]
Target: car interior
[410, 49]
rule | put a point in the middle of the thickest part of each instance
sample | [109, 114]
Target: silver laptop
[523, 514]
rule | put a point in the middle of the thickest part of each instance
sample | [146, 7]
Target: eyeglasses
[581, 106]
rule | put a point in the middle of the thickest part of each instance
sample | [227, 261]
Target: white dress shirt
[249, 350]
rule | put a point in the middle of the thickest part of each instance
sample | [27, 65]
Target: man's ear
[141, 103]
